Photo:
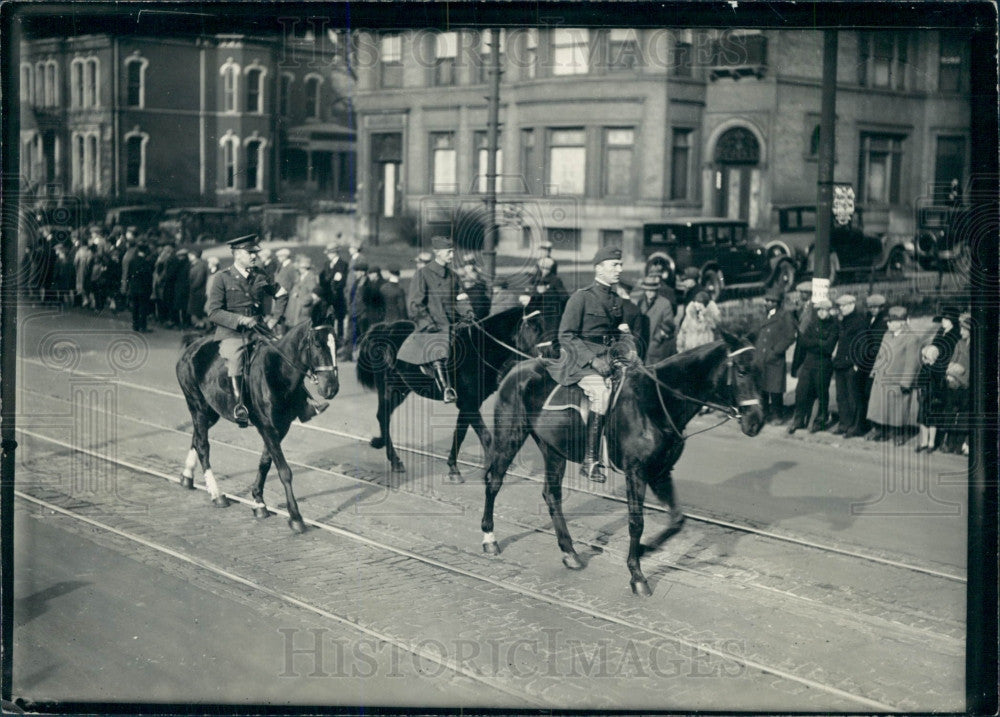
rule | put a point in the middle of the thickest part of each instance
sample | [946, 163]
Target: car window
[673, 238]
[740, 234]
[807, 220]
[707, 236]
[724, 236]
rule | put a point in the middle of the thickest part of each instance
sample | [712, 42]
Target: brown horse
[275, 396]
[644, 432]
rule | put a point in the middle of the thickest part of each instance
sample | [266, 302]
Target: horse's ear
[732, 340]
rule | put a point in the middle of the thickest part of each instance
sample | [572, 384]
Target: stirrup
[593, 472]
[241, 415]
[449, 395]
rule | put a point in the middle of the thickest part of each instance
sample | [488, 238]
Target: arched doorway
[737, 154]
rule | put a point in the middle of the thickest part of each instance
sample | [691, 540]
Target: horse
[275, 394]
[479, 355]
[644, 428]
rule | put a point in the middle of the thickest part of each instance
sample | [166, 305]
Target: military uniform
[433, 306]
[230, 297]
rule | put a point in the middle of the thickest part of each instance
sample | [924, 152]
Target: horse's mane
[689, 366]
[499, 325]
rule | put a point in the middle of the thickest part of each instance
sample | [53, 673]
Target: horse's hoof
[297, 525]
[491, 548]
[572, 561]
[398, 467]
[187, 482]
[640, 588]
[261, 512]
[455, 476]
[377, 442]
[220, 501]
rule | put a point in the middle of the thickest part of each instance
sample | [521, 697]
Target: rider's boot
[448, 393]
[240, 412]
[592, 468]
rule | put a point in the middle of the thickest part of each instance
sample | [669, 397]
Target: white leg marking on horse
[488, 538]
[257, 504]
[332, 343]
[189, 463]
[213, 487]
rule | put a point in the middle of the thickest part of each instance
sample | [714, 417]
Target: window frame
[230, 143]
[551, 146]
[480, 154]
[26, 91]
[558, 69]
[606, 149]
[51, 83]
[261, 85]
[894, 164]
[85, 169]
[92, 82]
[143, 138]
[675, 134]
[391, 63]
[898, 59]
[632, 41]
[443, 187]
[285, 93]
[136, 59]
[483, 51]
[230, 72]
[313, 104]
[261, 142]
[529, 70]
[959, 61]
[440, 60]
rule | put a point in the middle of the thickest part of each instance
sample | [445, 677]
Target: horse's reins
[272, 340]
[504, 344]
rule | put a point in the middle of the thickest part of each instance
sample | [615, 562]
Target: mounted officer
[597, 325]
[435, 301]
[235, 306]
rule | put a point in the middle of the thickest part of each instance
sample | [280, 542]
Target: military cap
[846, 299]
[424, 256]
[650, 282]
[875, 300]
[965, 320]
[823, 304]
[248, 242]
[607, 253]
[897, 313]
[774, 294]
[442, 242]
[805, 287]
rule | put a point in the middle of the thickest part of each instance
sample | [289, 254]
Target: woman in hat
[947, 335]
[930, 386]
[660, 314]
[701, 317]
[890, 408]
[954, 438]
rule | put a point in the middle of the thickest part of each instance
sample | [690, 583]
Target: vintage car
[720, 250]
[200, 224]
[142, 217]
[939, 236]
[851, 250]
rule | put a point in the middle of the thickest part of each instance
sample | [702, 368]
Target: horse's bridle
[309, 373]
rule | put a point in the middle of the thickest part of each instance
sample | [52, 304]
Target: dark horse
[644, 432]
[479, 354]
[275, 396]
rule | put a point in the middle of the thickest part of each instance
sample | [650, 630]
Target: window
[563, 239]
[284, 93]
[612, 237]
[313, 82]
[738, 54]
[230, 144]
[443, 180]
[135, 80]
[91, 87]
[85, 161]
[680, 164]
[25, 88]
[482, 155]
[135, 160]
[255, 163]
[530, 67]
[255, 90]
[76, 83]
[683, 54]
[949, 164]
[230, 72]
[623, 49]
[882, 58]
[618, 162]
[528, 161]
[445, 51]
[391, 47]
[39, 84]
[879, 168]
[570, 51]
[51, 84]
[814, 143]
[950, 68]
[567, 161]
[387, 173]
[484, 53]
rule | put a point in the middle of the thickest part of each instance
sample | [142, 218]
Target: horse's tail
[376, 351]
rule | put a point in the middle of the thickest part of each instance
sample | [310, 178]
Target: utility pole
[827, 154]
[492, 134]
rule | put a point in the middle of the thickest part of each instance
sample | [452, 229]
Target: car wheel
[711, 280]
[785, 276]
[898, 263]
[775, 252]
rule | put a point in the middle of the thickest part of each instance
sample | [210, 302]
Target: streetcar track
[403, 552]
[598, 547]
[649, 506]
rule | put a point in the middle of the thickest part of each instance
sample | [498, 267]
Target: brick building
[605, 129]
[211, 120]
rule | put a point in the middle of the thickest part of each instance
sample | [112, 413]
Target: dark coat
[662, 331]
[875, 328]
[945, 342]
[432, 305]
[850, 344]
[181, 272]
[198, 290]
[818, 341]
[230, 296]
[479, 299]
[774, 336]
[372, 303]
[395, 301]
[140, 276]
[932, 396]
[332, 281]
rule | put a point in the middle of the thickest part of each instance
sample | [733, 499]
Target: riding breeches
[232, 351]
[598, 390]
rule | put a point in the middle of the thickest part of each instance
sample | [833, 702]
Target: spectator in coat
[891, 409]
[701, 317]
[332, 280]
[947, 335]
[875, 328]
[286, 273]
[354, 257]
[817, 342]
[303, 296]
[930, 387]
[100, 270]
[81, 263]
[846, 368]
[774, 336]
[213, 265]
[422, 259]
[355, 307]
[65, 275]
[162, 298]
[372, 306]
[268, 262]
[131, 247]
[140, 287]
[181, 271]
[393, 296]
[660, 316]
[197, 288]
[803, 312]
[954, 438]
[474, 286]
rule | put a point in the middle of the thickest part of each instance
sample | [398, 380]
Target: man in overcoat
[846, 368]
[875, 328]
[332, 280]
[893, 406]
[435, 301]
[198, 289]
[393, 296]
[817, 342]
[774, 336]
[660, 314]
[594, 323]
[140, 287]
[234, 305]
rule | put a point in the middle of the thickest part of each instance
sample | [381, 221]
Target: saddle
[568, 397]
